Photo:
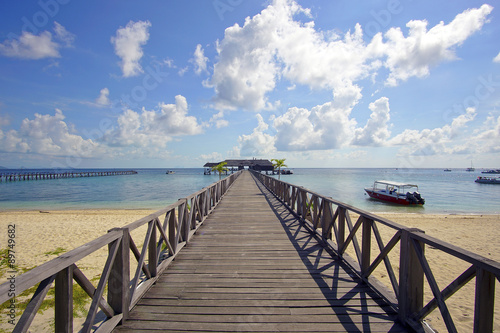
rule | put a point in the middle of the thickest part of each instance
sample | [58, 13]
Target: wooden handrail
[161, 244]
[338, 232]
[40, 273]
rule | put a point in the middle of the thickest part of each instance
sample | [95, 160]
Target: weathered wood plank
[52, 267]
[33, 306]
[299, 295]
[64, 300]
[137, 326]
[248, 318]
[484, 304]
[360, 302]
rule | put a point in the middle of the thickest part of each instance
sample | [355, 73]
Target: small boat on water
[447, 170]
[170, 172]
[399, 193]
[493, 171]
[471, 169]
[488, 180]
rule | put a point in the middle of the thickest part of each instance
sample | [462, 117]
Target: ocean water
[148, 189]
[444, 192]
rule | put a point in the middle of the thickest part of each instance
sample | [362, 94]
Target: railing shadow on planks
[332, 224]
[162, 242]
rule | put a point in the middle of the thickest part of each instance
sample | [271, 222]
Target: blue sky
[395, 83]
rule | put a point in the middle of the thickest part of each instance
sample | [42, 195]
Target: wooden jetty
[254, 267]
[251, 253]
[18, 176]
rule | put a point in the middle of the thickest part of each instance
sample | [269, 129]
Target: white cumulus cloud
[64, 35]
[49, 135]
[326, 126]
[43, 45]
[135, 134]
[421, 49]
[218, 120]
[255, 56]
[128, 44]
[376, 131]
[154, 128]
[487, 139]
[199, 60]
[258, 143]
[440, 140]
[247, 68]
[103, 99]
[212, 157]
[497, 58]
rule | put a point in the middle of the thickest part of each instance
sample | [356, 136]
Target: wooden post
[411, 277]
[206, 202]
[293, 204]
[287, 198]
[193, 212]
[299, 201]
[119, 278]
[484, 303]
[314, 214]
[303, 203]
[223, 186]
[202, 203]
[152, 255]
[326, 221]
[341, 229]
[184, 220]
[366, 245]
[64, 300]
[217, 192]
[171, 225]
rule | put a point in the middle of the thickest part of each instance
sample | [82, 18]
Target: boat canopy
[391, 183]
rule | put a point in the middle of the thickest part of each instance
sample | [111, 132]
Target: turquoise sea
[444, 192]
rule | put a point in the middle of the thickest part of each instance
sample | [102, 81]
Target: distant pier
[18, 176]
[258, 165]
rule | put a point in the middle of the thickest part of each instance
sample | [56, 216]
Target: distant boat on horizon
[492, 171]
[447, 170]
[471, 168]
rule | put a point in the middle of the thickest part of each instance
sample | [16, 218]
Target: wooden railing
[162, 241]
[331, 221]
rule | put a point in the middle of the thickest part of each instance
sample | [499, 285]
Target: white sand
[476, 233]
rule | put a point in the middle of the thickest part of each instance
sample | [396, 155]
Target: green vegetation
[279, 163]
[81, 300]
[56, 252]
[4, 259]
[221, 167]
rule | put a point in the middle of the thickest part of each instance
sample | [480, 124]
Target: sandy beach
[41, 236]
[475, 233]
[41, 233]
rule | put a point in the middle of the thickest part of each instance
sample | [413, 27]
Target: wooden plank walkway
[252, 267]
